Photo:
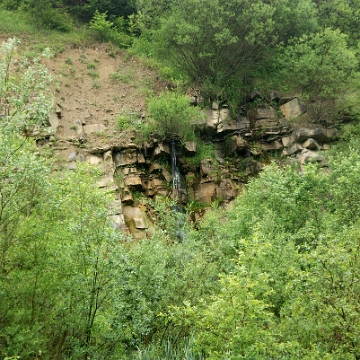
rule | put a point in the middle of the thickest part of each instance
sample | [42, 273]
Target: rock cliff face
[242, 147]
[85, 128]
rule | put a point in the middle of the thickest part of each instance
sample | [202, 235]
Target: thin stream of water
[176, 183]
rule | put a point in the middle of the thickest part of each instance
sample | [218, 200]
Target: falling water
[175, 171]
[177, 208]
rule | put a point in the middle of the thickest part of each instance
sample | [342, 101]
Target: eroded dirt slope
[93, 86]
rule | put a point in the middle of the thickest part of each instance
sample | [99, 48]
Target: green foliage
[214, 42]
[59, 258]
[47, 13]
[172, 117]
[108, 31]
[118, 78]
[25, 98]
[203, 151]
[55, 239]
[91, 66]
[93, 74]
[291, 290]
[321, 68]
[340, 15]
[16, 22]
[85, 10]
[349, 138]
[294, 19]
[130, 121]
[275, 276]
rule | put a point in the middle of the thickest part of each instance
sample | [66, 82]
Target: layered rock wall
[242, 147]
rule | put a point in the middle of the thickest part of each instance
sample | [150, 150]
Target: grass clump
[91, 66]
[93, 74]
[117, 78]
[203, 151]
[130, 121]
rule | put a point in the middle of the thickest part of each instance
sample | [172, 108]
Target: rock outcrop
[243, 146]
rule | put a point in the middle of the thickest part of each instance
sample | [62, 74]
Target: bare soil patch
[94, 86]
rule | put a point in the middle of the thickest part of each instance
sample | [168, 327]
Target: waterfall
[176, 184]
[178, 209]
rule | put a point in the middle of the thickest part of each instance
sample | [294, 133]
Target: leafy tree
[322, 69]
[294, 19]
[342, 15]
[213, 42]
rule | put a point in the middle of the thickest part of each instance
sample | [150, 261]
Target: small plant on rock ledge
[172, 117]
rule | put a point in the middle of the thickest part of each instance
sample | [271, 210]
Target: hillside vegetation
[274, 276]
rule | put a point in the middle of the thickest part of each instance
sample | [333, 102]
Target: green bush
[107, 31]
[321, 68]
[172, 117]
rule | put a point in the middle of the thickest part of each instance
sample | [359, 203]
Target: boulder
[115, 208]
[241, 143]
[215, 105]
[94, 160]
[234, 143]
[273, 146]
[106, 182]
[288, 140]
[125, 157]
[212, 120]
[137, 215]
[311, 144]
[118, 222]
[243, 124]
[294, 149]
[254, 168]
[155, 186]
[226, 190]
[141, 158]
[255, 95]
[136, 221]
[227, 127]
[310, 156]
[190, 148]
[161, 150]
[265, 113]
[292, 109]
[319, 134]
[166, 174]
[133, 181]
[54, 122]
[275, 96]
[285, 99]
[207, 167]
[108, 157]
[155, 167]
[266, 124]
[265, 118]
[206, 193]
[215, 117]
[127, 198]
